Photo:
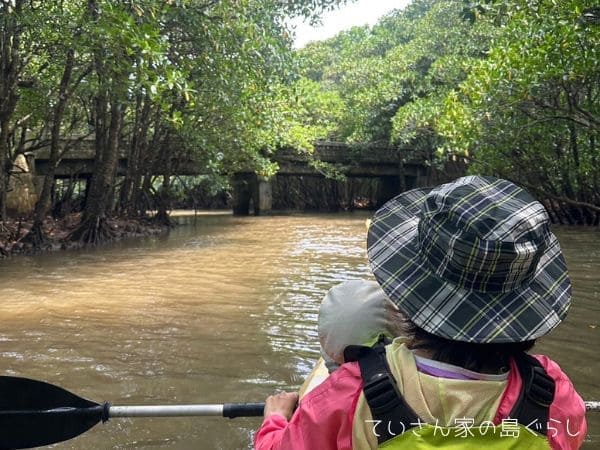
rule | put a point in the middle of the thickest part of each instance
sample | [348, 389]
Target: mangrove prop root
[36, 236]
[93, 231]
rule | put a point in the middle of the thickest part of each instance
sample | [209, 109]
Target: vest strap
[391, 413]
[393, 416]
[532, 408]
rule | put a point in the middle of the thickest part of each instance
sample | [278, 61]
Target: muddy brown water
[223, 309]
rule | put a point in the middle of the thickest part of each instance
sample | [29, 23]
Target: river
[223, 309]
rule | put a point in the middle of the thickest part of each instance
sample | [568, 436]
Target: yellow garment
[315, 378]
[439, 401]
[476, 438]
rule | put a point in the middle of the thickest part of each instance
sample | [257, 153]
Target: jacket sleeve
[271, 432]
[323, 419]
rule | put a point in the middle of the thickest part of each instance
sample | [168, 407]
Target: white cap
[355, 312]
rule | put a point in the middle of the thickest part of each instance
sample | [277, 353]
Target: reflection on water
[223, 309]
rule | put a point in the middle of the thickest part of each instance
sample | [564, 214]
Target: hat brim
[449, 311]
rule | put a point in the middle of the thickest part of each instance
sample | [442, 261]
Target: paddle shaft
[592, 406]
[230, 410]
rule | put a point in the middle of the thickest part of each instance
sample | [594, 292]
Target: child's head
[472, 261]
[355, 312]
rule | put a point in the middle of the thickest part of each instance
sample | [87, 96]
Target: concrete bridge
[383, 162]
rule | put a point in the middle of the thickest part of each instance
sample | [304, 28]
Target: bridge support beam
[389, 187]
[21, 196]
[251, 194]
[263, 203]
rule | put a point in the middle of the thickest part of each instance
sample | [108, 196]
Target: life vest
[397, 426]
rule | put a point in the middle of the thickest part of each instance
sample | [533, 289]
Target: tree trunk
[102, 184]
[164, 160]
[162, 214]
[142, 185]
[93, 228]
[4, 171]
[137, 151]
[10, 67]
[36, 234]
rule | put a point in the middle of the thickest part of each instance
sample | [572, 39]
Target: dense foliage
[530, 111]
[510, 86]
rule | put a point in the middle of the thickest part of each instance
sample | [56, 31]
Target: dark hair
[489, 358]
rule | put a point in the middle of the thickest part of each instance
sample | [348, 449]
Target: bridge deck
[350, 160]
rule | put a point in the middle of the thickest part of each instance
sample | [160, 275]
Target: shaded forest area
[508, 87]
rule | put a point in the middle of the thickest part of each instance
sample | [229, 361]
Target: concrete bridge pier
[389, 187]
[251, 193]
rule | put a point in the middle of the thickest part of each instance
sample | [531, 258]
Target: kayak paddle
[35, 413]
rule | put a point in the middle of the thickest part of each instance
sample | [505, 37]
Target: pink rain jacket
[324, 418]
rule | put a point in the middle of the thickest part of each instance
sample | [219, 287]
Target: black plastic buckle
[382, 394]
[541, 387]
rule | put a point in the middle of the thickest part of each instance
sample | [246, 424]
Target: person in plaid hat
[473, 266]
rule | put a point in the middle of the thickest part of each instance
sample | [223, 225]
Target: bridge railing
[335, 152]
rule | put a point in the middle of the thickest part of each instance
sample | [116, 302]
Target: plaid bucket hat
[472, 260]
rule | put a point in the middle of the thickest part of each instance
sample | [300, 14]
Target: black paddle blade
[34, 413]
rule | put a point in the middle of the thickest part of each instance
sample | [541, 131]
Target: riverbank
[13, 232]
